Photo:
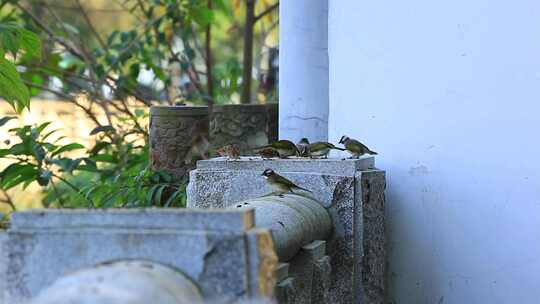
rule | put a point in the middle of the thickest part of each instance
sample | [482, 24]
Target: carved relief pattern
[246, 126]
[171, 138]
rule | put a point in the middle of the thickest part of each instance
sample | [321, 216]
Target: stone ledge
[143, 219]
[330, 166]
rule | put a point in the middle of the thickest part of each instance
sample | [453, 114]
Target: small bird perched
[303, 147]
[355, 147]
[230, 151]
[284, 148]
[280, 183]
[321, 149]
[266, 153]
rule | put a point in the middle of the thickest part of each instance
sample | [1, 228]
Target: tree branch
[266, 12]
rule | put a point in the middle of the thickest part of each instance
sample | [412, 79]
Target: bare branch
[91, 25]
[266, 12]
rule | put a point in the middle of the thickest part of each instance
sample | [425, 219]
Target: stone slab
[215, 220]
[38, 258]
[282, 271]
[330, 166]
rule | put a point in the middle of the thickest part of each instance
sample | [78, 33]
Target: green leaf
[31, 44]
[16, 174]
[12, 88]
[106, 158]
[66, 164]
[68, 148]
[159, 193]
[100, 129]
[5, 119]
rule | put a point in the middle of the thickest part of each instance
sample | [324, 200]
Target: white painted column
[303, 69]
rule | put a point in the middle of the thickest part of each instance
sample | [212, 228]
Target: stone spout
[294, 220]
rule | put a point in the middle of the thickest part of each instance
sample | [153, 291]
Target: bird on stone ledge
[321, 149]
[355, 147]
[303, 147]
[230, 151]
[280, 183]
[284, 148]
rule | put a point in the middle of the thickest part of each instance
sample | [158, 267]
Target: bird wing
[356, 146]
[288, 183]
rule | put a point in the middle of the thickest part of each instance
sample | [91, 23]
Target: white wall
[448, 92]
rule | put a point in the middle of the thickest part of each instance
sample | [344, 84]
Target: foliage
[165, 56]
[14, 39]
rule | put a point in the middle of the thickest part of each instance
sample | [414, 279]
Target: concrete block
[335, 166]
[352, 193]
[217, 220]
[221, 261]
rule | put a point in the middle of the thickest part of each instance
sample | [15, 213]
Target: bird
[355, 147]
[280, 183]
[303, 147]
[230, 151]
[284, 148]
[266, 153]
[321, 149]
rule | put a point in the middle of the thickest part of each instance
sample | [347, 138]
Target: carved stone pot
[178, 138]
[247, 126]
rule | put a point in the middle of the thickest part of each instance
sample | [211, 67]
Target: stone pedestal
[220, 251]
[174, 132]
[247, 126]
[351, 190]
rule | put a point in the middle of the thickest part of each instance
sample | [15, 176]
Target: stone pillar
[303, 69]
[351, 190]
[122, 282]
[175, 132]
[247, 126]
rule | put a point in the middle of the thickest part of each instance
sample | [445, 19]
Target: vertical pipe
[303, 69]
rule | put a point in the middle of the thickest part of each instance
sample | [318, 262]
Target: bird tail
[372, 152]
[338, 148]
[304, 189]
[257, 149]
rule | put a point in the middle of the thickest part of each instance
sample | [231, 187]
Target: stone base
[351, 190]
[220, 251]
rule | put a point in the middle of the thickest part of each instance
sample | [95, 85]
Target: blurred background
[99, 66]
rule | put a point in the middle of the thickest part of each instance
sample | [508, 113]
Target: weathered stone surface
[339, 188]
[320, 291]
[294, 220]
[219, 219]
[282, 271]
[371, 288]
[174, 130]
[286, 292]
[302, 269]
[3, 265]
[330, 166]
[262, 263]
[246, 126]
[123, 282]
[224, 260]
